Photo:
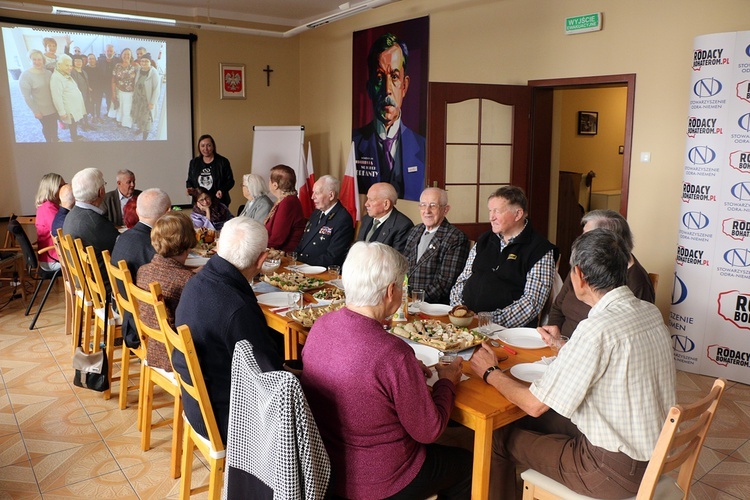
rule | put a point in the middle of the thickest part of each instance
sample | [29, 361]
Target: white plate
[525, 338]
[305, 269]
[337, 283]
[434, 309]
[196, 261]
[274, 299]
[425, 354]
[528, 372]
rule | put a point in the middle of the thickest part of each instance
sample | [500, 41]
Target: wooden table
[481, 408]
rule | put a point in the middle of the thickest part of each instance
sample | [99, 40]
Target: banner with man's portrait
[389, 105]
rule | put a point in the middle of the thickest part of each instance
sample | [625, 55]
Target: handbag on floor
[91, 370]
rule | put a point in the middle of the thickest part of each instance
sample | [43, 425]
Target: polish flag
[305, 180]
[349, 195]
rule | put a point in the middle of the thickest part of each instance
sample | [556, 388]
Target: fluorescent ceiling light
[66, 11]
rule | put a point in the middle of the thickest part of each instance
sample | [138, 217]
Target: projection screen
[94, 114]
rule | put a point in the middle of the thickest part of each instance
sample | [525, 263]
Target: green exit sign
[583, 24]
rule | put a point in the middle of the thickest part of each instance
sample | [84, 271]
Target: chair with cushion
[152, 375]
[212, 448]
[32, 268]
[83, 307]
[679, 445]
[107, 323]
[124, 303]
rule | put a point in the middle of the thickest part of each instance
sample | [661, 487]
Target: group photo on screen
[75, 86]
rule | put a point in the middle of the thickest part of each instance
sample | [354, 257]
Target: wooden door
[478, 140]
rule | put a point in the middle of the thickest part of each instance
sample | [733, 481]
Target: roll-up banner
[709, 318]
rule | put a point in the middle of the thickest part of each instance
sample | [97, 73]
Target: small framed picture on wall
[232, 81]
[588, 122]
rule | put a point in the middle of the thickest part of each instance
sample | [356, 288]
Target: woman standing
[47, 205]
[210, 171]
[285, 222]
[81, 78]
[34, 85]
[147, 90]
[123, 84]
[258, 205]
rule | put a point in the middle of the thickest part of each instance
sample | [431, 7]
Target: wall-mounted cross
[268, 72]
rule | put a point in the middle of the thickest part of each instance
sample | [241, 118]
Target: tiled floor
[60, 441]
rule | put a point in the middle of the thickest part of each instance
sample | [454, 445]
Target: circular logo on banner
[747, 50]
[744, 122]
[679, 291]
[737, 257]
[741, 191]
[695, 220]
[682, 343]
[701, 155]
[707, 87]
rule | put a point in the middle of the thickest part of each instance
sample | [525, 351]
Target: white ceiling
[272, 15]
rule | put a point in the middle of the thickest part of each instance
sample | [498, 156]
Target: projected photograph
[70, 86]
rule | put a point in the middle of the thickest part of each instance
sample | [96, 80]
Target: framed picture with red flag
[232, 81]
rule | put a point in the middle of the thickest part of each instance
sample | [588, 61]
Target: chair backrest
[75, 268]
[680, 442]
[148, 298]
[125, 302]
[29, 254]
[63, 264]
[182, 342]
[23, 220]
[92, 274]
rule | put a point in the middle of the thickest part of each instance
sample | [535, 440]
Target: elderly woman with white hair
[255, 190]
[368, 393]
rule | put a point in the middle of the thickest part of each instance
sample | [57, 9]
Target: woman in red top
[47, 205]
[285, 222]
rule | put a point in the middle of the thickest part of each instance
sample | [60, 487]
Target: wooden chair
[212, 448]
[654, 277]
[107, 323]
[68, 288]
[83, 307]
[155, 376]
[679, 445]
[124, 303]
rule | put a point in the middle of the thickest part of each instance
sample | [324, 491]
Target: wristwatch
[488, 371]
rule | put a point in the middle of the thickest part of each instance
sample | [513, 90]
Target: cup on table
[335, 272]
[417, 298]
[295, 301]
[557, 344]
[447, 357]
[293, 257]
[484, 319]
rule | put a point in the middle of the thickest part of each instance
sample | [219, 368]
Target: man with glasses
[436, 249]
[387, 150]
[510, 270]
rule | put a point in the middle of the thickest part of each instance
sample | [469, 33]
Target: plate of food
[441, 336]
[328, 295]
[434, 309]
[293, 282]
[525, 338]
[528, 372]
[425, 354]
[308, 315]
[274, 299]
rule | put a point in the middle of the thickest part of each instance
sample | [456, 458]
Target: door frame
[541, 140]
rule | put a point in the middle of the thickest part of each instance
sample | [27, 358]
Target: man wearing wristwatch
[596, 413]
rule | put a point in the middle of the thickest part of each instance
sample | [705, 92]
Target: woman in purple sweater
[368, 393]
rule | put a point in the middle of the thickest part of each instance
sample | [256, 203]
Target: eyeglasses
[431, 206]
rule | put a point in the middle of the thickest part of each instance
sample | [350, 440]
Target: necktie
[387, 144]
[371, 232]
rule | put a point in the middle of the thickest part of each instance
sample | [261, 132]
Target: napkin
[434, 377]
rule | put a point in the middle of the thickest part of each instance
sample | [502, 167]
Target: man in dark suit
[134, 247]
[86, 220]
[106, 64]
[383, 222]
[436, 250]
[330, 230]
[115, 200]
[386, 149]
